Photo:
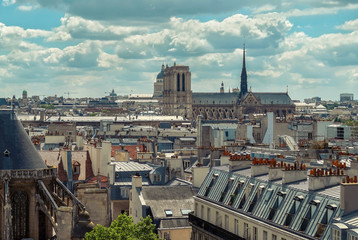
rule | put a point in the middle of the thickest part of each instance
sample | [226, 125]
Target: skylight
[168, 213]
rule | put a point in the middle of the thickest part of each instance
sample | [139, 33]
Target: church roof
[214, 98]
[16, 148]
[161, 73]
[273, 98]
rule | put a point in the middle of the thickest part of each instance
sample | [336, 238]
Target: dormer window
[312, 209]
[329, 210]
[277, 204]
[290, 215]
[76, 167]
[6, 153]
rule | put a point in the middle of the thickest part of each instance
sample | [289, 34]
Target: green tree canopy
[123, 228]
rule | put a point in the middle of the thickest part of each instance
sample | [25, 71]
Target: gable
[250, 99]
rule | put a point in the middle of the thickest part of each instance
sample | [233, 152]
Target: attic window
[281, 193]
[6, 153]
[185, 212]
[298, 198]
[168, 213]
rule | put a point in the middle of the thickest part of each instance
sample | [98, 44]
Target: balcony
[211, 228]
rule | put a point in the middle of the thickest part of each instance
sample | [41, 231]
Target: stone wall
[96, 202]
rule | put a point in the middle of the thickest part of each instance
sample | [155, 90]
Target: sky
[86, 48]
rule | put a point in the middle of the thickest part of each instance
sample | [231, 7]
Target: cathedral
[178, 99]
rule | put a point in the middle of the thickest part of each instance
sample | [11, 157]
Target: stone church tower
[34, 203]
[177, 94]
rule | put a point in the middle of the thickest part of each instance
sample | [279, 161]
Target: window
[168, 212]
[352, 238]
[178, 82]
[336, 234]
[157, 177]
[186, 163]
[76, 169]
[166, 235]
[254, 233]
[236, 227]
[246, 230]
[124, 192]
[253, 203]
[264, 235]
[227, 222]
[185, 212]
[321, 226]
[208, 214]
[218, 219]
[183, 81]
[228, 185]
[210, 185]
[274, 237]
[202, 212]
[312, 208]
[277, 204]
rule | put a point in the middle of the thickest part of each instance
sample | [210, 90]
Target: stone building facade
[177, 94]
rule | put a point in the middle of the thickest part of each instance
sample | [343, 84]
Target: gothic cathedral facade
[179, 100]
[177, 94]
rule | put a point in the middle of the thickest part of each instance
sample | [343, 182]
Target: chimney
[349, 191]
[239, 161]
[275, 171]
[260, 167]
[136, 181]
[294, 173]
[69, 171]
[322, 178]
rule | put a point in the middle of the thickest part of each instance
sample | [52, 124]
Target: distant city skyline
[88, 48]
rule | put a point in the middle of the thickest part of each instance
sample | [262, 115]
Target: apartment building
[275, 200]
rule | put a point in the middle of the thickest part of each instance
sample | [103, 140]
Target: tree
[123, 228]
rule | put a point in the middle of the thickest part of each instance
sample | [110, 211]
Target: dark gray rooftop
[215, 98]
[16, 149]
[172, 198]
[271, 202]
[174, 223]
[273, 98]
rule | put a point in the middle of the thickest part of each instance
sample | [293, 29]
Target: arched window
[178, 82]
[20, 214]
[183, 81]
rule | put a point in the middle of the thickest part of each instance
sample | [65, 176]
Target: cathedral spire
[243, 84]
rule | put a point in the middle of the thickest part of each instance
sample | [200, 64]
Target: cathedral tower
[243, 84]
[177, 94]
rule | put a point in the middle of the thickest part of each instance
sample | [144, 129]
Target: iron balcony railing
[213, 229]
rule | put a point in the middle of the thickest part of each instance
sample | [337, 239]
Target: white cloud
[79, 28]
[351, 25]
[26, 8]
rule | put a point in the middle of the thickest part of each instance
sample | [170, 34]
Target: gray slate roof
[243, 195]
[174, 223]
[173, 198]
[273, 98]
[22, 154]
[214, 98]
